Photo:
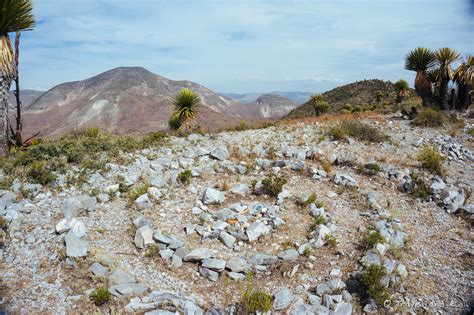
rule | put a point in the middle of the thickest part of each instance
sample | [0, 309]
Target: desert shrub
[347, 108]
[371, 239]
[317, 221]
[431, 160]
[39, 174]
[184, 177]
[429, 117]
[152, 250]
[357, 109]
[321, 107]
[470, 132]
[273, 185]
[100, 296]
[91, 132]
[372, 286]
[311, 199]
[357, 130]
[174, 122]
[137, 191]
[330, 240]
[308, 251]
[253, 301]
[420, 189]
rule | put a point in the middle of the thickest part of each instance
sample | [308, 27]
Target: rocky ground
[195, 247]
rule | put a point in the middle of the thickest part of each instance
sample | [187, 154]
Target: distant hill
[270, 106]
[358, 94]
[297, 97]
[124, 100]
[28, 97]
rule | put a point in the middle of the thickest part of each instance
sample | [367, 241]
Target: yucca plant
[15, 16]
[464, 78]
[421, 60]
[403, 90]
[445, 57]
[186, 104]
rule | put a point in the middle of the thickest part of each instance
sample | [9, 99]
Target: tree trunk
[463, 100]
[452, 99]
[19, 126]
[4, 89]
[443, 92]
[423, 89]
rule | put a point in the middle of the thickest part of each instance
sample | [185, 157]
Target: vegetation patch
[317, 221]
[420, 188]
[184, 177]
[357, 130]
[431, 160]
[372, 286]
[371, 239]
[429, 117]
[253, 301]
[137, 191]
[88, 149]
[273, 185]
[100, 296]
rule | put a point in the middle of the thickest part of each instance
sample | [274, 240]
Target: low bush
[137, 191]
[371, 239]
[317, 221]
[39, 174]
[254, 301]
[429, 117]
[100, 296]
[372, 286]
[184, 177]
[431, 160]
[357, 130]
[273, 185]
[420, 188]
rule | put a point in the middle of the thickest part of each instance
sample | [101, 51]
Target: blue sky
[240, 46]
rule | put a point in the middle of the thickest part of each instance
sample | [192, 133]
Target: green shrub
[429, 117]
[253, 301]
[317, 221]
[420, 189]
[273, 185]
[372, 238]
[357, 130]
[308, 251]
[311, 199]
[39, 174]
[174, 122]
[100, 296]
[321, 107]
[330, 240]
[431, 160]
[347, 107]
[371, 283]
[184, 177]
[137, 191]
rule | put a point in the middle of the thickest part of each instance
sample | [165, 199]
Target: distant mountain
[270, 106]
[124, 100]
[358, 94]
[297, 97]
[27, 97]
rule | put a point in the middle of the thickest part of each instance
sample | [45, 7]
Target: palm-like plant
[464, 78]
[403, 90]
[421, 60]
[15, 16]
[445, 57]
[186, 104]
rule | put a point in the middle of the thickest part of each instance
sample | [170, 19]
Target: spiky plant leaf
[15, 16]
[420, 59]
[446, 56]
[186, 105]
[464, 73]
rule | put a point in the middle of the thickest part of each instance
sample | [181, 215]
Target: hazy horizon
[245, 47]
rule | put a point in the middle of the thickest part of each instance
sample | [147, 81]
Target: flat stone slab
[198, 254]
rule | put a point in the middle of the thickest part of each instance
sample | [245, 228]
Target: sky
[240, 46]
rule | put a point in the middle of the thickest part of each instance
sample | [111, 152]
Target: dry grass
[331, 118]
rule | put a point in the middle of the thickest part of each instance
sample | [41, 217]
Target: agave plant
[464, 78]
[17, 141]
[445, 57]
[186, 104]
[421, 60]
[15, 16]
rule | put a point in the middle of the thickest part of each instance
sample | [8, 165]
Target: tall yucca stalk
[421, 60]
[445, 57]
[186, 104]
[464, 78]
[15, 16]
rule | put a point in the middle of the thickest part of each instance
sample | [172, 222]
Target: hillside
[123, 100]
[28, 97]
[184, 225]
[297, 97]
[270, 106]
[362, 94]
